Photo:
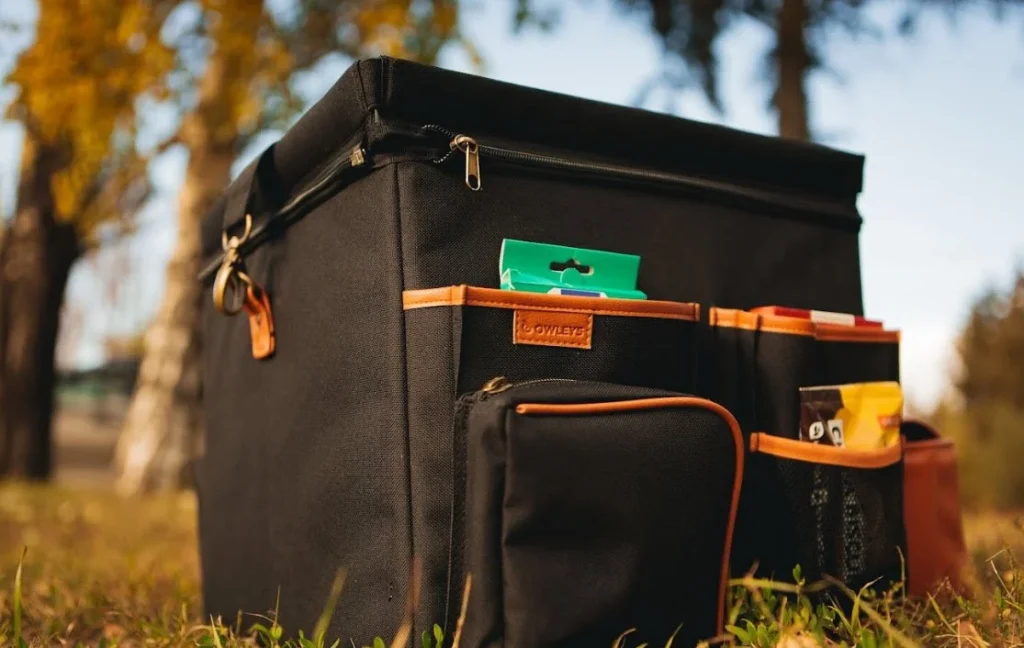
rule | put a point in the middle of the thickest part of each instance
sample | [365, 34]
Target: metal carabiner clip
[229, 268]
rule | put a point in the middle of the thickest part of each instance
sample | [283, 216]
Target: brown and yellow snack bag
[864, 416]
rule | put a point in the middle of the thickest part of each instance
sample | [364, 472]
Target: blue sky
[939, 117]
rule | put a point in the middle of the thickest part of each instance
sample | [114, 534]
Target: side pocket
[936, 551]
[839, 511]
[766, 360]
[852, 355]
[591, 510]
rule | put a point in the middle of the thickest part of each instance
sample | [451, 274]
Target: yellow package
[864, 416]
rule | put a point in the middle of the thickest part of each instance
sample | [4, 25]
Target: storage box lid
[465, 103]
[398, 91]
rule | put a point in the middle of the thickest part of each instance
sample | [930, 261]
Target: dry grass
[100, 570]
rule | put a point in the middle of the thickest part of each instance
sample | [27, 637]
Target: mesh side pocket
[844, 509]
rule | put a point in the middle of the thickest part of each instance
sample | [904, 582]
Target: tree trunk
[36, 255]
[793, 61]
[162, 427]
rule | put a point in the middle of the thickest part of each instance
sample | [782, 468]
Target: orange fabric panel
[823, 454]
[749, 321]
[839, 333]
[931, 512]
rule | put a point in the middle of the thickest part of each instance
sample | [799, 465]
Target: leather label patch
[553, 328]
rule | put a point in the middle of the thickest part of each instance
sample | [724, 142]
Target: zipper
[501, 384]
[474, 152]
[463, 405]
[436, 138]
[352, 158]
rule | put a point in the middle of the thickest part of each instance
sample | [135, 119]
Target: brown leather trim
[823, 454]
[261, 322]
[553, 409]
[553, 328]
[936, 550]
[753, 321]
[493, 298]
[839, 333]
[749, 321]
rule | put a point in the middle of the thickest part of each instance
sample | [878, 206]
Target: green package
[562, 270]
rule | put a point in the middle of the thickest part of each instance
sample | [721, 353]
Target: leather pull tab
[261, 322]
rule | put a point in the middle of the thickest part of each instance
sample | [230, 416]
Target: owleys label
[553, 328]
[864, 416]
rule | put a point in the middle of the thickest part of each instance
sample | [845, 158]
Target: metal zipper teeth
[625, 172]
[490, 388]
[355, 157]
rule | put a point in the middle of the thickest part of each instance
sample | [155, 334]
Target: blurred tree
[690, 29]
[987, 416]
[244, 89]
[76, 90]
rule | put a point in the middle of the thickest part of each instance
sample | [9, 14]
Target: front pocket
[834, 511]
[590, 509]
[525, 336]
[459, 337]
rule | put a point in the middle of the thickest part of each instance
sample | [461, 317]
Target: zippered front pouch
[585, 509]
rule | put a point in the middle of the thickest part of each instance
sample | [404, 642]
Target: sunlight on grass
[98, 570]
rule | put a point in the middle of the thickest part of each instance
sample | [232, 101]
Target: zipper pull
[357, 157]
[496, 385]
[468, 145]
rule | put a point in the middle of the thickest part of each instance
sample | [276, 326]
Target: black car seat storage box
[373, 228]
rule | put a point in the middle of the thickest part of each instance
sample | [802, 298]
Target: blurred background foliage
[95, 72]
[985, 412]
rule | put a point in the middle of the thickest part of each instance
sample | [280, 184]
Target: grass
[91, 569]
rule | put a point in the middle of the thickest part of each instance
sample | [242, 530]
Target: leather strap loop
[251, 190]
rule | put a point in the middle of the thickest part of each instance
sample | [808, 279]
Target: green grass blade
[215, 632]
[18, 599]
[320, 630]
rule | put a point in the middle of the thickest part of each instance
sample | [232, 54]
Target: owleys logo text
[553, 328]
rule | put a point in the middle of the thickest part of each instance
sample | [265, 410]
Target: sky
[938, 117]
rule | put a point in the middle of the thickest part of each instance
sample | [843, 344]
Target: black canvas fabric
[454, 350]
[758, 374]
[327, 454]
[634, 536]
[837, 521]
